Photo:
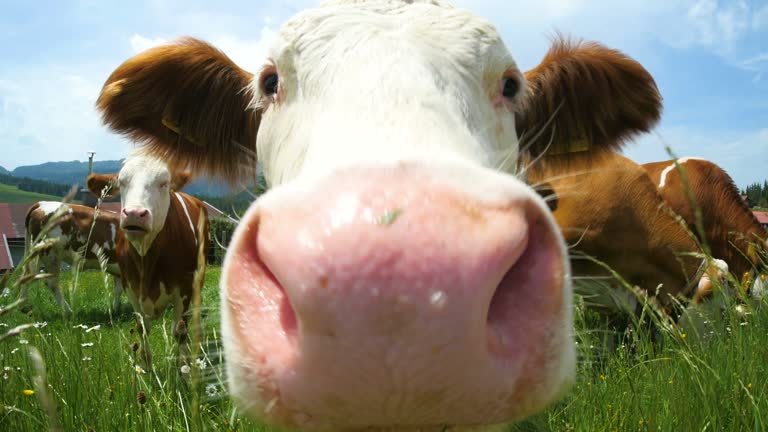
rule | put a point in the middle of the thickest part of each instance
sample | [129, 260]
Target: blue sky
[710, 60]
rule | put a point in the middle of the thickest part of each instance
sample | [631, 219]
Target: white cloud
[140, 43]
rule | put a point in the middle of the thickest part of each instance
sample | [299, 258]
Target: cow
[611, 214]
[81, 236]
[161, 244]
[399, 274]
[696, 188]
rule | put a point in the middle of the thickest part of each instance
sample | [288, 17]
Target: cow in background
[161, 246]
[728, 230]
[80, 236]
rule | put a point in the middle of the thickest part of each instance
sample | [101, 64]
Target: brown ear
[180, 179]
[189, 104]
[584, 96]
[97, 182]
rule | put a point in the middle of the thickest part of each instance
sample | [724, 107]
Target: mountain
[75, 172]
[4, 171]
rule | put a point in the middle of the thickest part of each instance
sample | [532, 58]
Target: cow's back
[730, 228]
[609, 209]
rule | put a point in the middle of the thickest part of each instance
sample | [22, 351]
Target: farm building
[12, 231]
[762, 217]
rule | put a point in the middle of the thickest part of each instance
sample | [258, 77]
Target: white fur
[49, 207]
[328, 109]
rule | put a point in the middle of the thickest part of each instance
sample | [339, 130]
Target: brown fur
[608, 208]
[606, 98]
[199, 92]
[731, 231]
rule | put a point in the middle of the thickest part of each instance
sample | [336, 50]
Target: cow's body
[398, 275]
[160, 260]
[610, 210]
[730, 230]
[81, 238]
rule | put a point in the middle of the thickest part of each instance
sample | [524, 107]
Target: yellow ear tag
[167, 123]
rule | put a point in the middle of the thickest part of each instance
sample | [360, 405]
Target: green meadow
[12, 194]
[678, 382]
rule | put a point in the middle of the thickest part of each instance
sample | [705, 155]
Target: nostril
[529, 292]
[144, 213]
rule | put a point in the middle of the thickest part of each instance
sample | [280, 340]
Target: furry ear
[584, 96]
[180, 179]
[96, 183]
[189, 104]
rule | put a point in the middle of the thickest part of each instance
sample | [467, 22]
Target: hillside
[74, 172]
[4, 171]
[11, 194]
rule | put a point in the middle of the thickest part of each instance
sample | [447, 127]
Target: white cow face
[435, 83]
[398, 275]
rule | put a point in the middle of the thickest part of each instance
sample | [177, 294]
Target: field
[11, 194]
[677, 383]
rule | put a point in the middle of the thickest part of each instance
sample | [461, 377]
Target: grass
[11, 194]
[679, 382]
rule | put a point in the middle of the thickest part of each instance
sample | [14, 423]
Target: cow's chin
[135, 233]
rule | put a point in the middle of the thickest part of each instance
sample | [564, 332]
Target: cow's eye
[269, 83]
[163, 185]
[510, 88]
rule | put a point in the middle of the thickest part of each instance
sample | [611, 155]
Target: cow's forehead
[457, 34]
[139, 166]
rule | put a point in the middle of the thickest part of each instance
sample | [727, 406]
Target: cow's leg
[53, 266]
[181, 321]
[143, 326]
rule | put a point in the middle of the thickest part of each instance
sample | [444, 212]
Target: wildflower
[589, 384]
[6, 368]
[185, 369]
[683, 335]
[6, 292]
[86, 344]
[96, 327]
[200, 363]
[13, 351]
[641, 422]
[28, 392]
[670, 381]
[211, 390]
[23, 341]
[40, 324]
[5, 375]
[602, 377]
[86, 359]
[82, 326]
[139, 369]
[141, 398]
[749, 386]
[3, 325]
[743, 324]
[610, 406]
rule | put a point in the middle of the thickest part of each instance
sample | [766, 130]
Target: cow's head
[398, 274]
[145, 185]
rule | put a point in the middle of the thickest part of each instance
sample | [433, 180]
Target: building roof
[12, 217]
[761, 216]
[6, 262]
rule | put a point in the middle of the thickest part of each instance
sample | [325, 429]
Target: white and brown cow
[161, 244]
[81, 237]
[398, 275]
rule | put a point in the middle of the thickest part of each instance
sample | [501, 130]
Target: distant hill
[4, 171]
[74, 172]
[11, 194]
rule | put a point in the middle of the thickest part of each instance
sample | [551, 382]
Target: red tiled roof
[7, 226]
[761, 216]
